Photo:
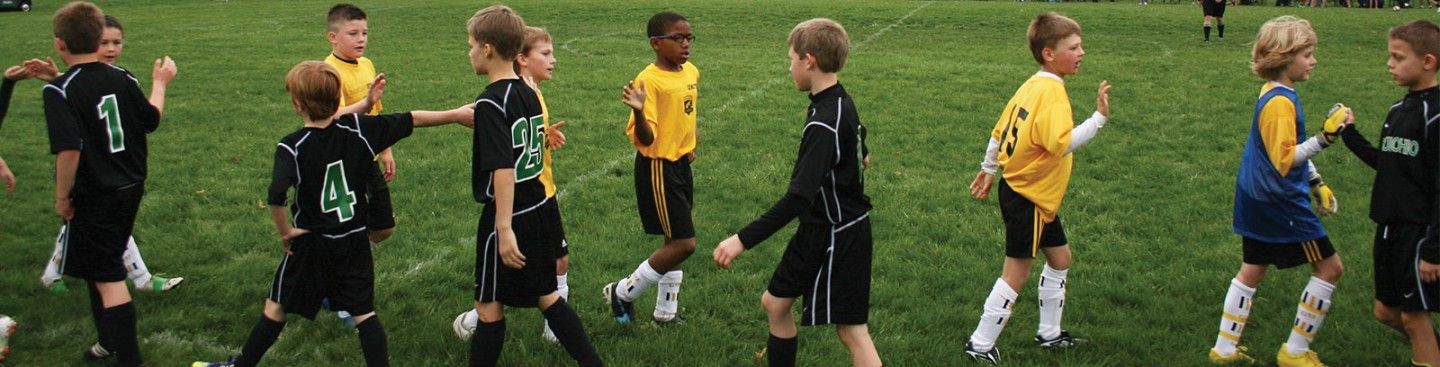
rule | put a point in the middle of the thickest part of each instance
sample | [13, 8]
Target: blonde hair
[315, 88]
[533, 36]
[1422, 36]
[824, 39]
[1046, 31]
[501, 28]
[1278, 42]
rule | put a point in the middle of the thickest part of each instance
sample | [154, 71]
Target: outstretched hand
[17, 73]
[554, 138]
[633, 95]
[726, 252]
[164, 70]
[1102, 99]
[377, 88]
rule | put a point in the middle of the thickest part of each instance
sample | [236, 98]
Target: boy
[112, 42]
[1404, 201]
[535, 64]
[327, 251]
[662, 127]
[834, 214]
[1032, 143]
[1273, 213]
[98, 120]
[513, 229]
[349, 35]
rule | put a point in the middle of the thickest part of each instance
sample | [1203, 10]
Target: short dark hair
[662, 20]
[112, 22]
[341, 13]
[1422, 36]
[80, 25]
[1047, 30]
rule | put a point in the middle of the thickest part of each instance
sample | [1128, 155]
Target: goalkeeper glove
[1334, 123]
[1325, 201]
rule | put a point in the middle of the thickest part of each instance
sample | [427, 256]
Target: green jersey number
[336, 195]
[528, 135]
[110, 112]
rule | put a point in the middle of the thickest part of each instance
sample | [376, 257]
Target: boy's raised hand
[554, 139]
[42, 69]
[377, 88]
[1102, 99]
[164, 70]
[17, 73]
[634, 96]
[727, 251]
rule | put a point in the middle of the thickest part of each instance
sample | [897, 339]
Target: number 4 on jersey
[337, 196]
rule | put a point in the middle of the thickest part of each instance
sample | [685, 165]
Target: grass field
[1148, 210]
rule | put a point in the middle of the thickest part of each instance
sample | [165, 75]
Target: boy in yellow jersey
[662, 128]
[1273, 214]
[1032, 143]
[535, 64]
[349, 35]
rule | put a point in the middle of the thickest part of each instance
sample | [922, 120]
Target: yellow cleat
[1239, 357]
[1283, 358]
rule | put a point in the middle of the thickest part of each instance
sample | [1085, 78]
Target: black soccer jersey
[827, 185]
[331, 169]
[1406, 189]
[508, 134]
[99, 110]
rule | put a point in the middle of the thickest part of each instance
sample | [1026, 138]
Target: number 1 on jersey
[109, 111]
[336, 195]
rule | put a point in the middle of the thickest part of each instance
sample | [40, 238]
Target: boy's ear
[810, 63]
[1431, 62]
[60, 45]
[654, 44]
[1048, 54]
[330, 36]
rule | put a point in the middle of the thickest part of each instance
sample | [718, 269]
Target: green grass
[1148, 210]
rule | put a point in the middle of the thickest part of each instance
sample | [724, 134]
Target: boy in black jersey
[1404, 204]
[98, 118]
[514, 248]
[327, 248]
[828, 259]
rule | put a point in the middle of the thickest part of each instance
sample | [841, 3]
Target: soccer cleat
[7, 329]
[58, 287]
[549, 335]
[160, 284]
[97, 352]
[1283, 358]
[674, 320]
[623, 311]
[226, 363]
[1062, 341]
[1239, 357]
[345, 317]
[462, 330]
[991, 356]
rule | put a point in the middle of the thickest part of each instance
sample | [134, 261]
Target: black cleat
[991, 356]
[1062, 341]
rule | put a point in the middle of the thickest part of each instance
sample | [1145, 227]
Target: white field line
[587, 176]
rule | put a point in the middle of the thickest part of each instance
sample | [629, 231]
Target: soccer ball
[1395, 8]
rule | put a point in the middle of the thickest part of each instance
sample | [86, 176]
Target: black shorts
[1025, 230]
[1286, 255]
[1213, 8]
[338, 267]
[664, 193]
[516, 287]
[557, 228]
[1397, 282]
[830, 267]
[381, 213]
[95, 238]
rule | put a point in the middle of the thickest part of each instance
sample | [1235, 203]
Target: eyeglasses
[678, 38]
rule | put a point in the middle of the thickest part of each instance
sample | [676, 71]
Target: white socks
[1309, 315]
[1232, 321]
[139, 273]
[632, 286]
[667, 299]
[1052, 302]
[996, 313]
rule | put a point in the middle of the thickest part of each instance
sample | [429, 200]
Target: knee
[1330, 271]
[686, 246]
[1386, 316]
[773, 305]
[489, 312]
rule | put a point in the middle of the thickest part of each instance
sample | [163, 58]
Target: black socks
[571, 333]
[372, 342]
[781, 352]
[486, 343]
[262, 336]
[119, 321]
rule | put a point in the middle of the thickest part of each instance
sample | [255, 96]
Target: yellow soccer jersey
[1277, 130]
[355, 78]
[670, 110]
[547, 173]
[1034, 134]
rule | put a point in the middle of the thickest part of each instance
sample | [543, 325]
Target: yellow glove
[1325, 202]
[1334, 123]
